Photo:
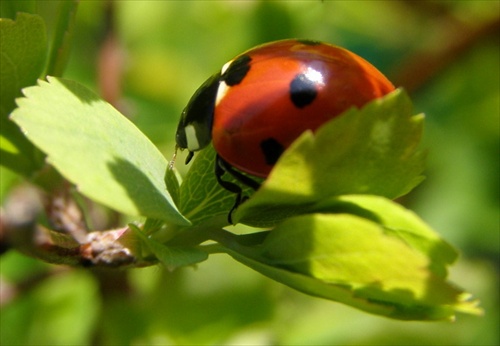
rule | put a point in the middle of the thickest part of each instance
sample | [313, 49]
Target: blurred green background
[445, 53]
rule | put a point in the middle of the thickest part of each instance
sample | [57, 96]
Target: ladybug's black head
[194, 131]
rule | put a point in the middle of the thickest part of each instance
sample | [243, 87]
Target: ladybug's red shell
[283, 89]
[265, 98]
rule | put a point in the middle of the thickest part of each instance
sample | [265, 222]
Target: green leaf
[172, 257]
[352, 260]
[397, 222]
[373, 150]
[23, 53]
[97, 148]
[172, 179]
[22, 56]
[63, 36]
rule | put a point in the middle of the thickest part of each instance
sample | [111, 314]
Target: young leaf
[22, 56]
[349, 259]
[201, 196]
[372, 150]
[98, 149]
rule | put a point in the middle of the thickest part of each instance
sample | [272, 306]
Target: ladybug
[266, 97]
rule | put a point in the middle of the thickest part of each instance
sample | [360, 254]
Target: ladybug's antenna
[172, 162]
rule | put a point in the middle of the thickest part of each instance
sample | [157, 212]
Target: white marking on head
[225, 67]
[191, 138]
[223, 87]
[221, 92]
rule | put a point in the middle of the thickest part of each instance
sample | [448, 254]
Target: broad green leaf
[373, 150]
[22, 56]
[171, 256]
[63, 36]
[352, 260]
[97, 148]
[397, 222]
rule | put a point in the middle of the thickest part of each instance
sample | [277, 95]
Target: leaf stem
[214, 248]
[245, 245]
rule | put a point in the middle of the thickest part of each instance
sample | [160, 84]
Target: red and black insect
[264, 98]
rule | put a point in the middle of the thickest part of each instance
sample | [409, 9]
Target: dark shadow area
[150, 202]
[81, 92]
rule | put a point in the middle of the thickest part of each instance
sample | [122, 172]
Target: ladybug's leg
[245, 180]
[222, 167]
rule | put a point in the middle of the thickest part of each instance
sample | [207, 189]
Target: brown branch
[20, 230]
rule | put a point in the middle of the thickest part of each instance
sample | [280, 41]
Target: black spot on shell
[272, 150]
[302, 91]
[237, 70]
